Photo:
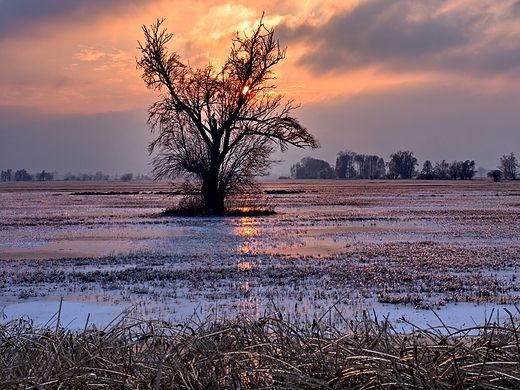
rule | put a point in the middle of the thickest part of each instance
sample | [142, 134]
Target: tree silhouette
[22, 175]
[218, 127]
[441, 171]
[427, 171]
[350, 165]
[312, 168]
[509, 166]
[402, 165]
[495, 174]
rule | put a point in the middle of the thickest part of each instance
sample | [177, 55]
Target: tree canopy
[509, 166]
[218, 127]
[402, 165]
[312, 168]
[350, 165]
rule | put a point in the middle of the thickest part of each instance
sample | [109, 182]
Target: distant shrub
[127, 176]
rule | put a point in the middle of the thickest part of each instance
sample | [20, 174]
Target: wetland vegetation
[334, 252]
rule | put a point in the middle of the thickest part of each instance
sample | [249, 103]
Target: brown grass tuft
[268, 352]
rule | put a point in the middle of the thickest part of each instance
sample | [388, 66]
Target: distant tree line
[98, 176]
[456, 170]
[402, 165]
[23, 175]
[508, 168]
[312, 168]
[350, 165]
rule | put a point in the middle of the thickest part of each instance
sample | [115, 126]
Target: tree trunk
[212, 196]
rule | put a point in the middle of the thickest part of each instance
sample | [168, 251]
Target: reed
[259, 353]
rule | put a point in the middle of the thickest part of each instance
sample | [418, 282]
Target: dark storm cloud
[22, 16]
[397, 36]
[515, 8]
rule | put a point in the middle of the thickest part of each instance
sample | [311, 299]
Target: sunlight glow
[247, 228]
[245, 90]
[244, 266]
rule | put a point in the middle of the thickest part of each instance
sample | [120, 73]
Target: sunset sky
[439, 77]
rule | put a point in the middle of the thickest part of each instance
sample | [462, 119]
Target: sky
[440, 78]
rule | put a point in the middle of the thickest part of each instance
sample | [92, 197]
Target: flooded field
[334, 248]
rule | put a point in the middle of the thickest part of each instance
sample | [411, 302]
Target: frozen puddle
[88, 243]
[333, 240]
[73, 314]
[459, 316]
[79, 314]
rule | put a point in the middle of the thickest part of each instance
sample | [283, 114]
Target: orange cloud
[86, 60]
[89, 54]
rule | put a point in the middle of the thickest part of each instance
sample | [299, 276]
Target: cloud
[117, 59]
[89, 54]
[408, 36]
[23, 17]
[515, 8]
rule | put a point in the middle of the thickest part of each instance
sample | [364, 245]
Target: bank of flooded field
[396, 247]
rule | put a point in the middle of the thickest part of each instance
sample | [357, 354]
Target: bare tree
[345, 165]
[509, 166]
[427, 171]
[312, 168]
[350, 165]
[441, 170]
[466, 170]
[402, 165]
[44, 176]
[22, 175]
[7, 175]
[218, 128]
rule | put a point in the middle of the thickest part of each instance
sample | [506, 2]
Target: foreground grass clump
[269, 352]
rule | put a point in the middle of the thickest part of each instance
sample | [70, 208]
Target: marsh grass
[200, 212]
[249, 205]
[259, 353]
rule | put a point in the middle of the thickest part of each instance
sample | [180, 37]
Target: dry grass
[269, 352]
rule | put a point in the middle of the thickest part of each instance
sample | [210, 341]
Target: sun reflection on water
[245, 266]
[247, 227]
